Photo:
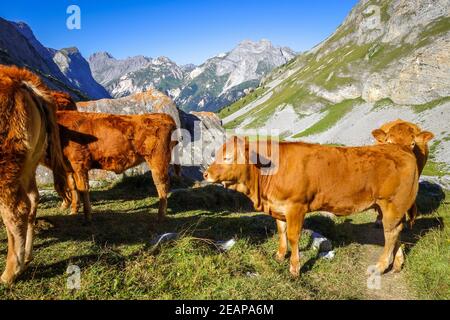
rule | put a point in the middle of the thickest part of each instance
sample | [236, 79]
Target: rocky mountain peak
[220, 80]
[100, 55]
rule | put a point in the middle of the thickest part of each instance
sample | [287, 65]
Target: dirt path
[393, 286]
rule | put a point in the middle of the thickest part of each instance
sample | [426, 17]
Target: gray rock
[77, 71]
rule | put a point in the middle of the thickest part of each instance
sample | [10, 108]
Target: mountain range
[63, 69]
[208, 87]
[217, 82]
[389, 59]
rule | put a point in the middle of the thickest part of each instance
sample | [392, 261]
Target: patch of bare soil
[392, 285]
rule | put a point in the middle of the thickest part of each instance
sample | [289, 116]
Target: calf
[115, 143]
[310, 177]
[409, 135]
[28, 133]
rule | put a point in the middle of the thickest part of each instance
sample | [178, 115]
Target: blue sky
[188, 31]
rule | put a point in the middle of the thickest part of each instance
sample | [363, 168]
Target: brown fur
[28, 133]
[409, 135]
[115, 143]
[63, 101]
[312, 177]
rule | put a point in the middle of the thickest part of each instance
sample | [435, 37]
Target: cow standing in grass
[411, 136]
[28, 133]
[311, 177]
[115, 143]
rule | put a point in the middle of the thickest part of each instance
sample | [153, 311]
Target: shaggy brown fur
[28, 133]
[63, 101]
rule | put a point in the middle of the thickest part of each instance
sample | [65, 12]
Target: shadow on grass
[430, 197]
[136, 188]
[213, 221]
[140, 227]
[212, 197]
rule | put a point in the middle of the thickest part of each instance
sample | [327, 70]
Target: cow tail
[55, 154]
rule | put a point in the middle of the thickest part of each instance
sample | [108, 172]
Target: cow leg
[177, 170]
[33, 196]
[412, 214]
[379, 221]
[160, 174]
[15, 217]
[65, 204]
[294, 220]
[82, 184]
[74, 197]
[399, 258]
[282, 247]
[392, 224]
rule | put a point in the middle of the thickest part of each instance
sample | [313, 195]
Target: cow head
[403, 133]
[406, 134]
[234, 162]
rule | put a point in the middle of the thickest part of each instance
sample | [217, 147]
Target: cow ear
[424, 137]
[379, 135]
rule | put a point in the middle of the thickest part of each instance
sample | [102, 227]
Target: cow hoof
[28, 261]
[280, 257]
[380, 268]
[295, 271]
[7, 280]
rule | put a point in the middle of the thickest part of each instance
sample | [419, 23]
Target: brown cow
[409, 135]
[311, 177]
[28, 133]
[115, 143]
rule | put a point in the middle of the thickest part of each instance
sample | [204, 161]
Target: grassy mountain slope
[389, 59]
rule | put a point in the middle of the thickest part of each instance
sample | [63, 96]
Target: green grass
[117, 260]
[380, 104]
[435, 28]
[427, 265]
[334, 114]
[430, 105]
[228, 110]
[435, 169]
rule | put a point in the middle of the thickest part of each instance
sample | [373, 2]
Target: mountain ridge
[19, 46]
[218, 81]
